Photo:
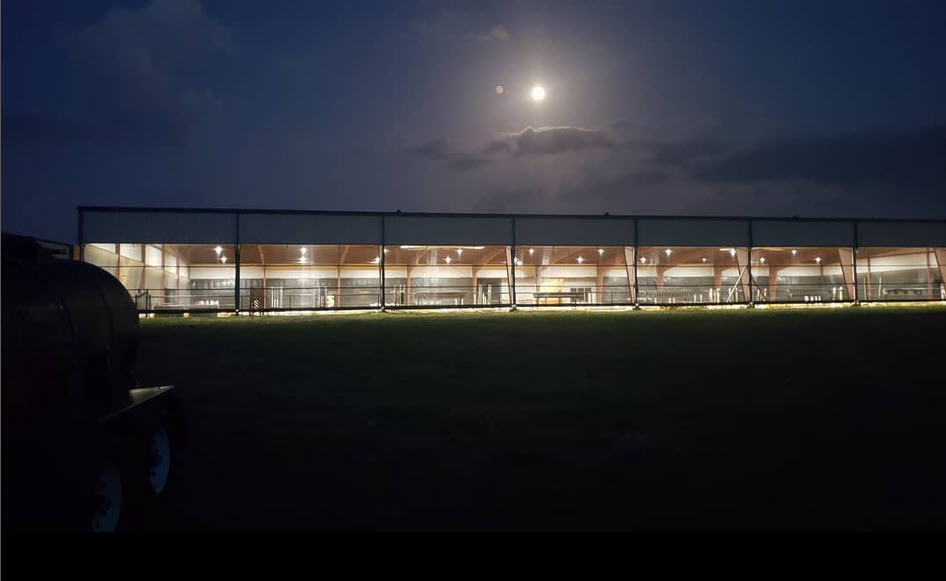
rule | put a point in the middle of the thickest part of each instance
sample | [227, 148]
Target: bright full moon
[538, 93]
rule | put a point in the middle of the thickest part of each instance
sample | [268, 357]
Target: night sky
[703, 108]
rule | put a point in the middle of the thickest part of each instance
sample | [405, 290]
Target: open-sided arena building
[246, 260]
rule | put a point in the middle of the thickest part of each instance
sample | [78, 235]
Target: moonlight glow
[538, 93]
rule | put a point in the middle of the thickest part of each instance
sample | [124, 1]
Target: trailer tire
[107, 499]
[147, 455]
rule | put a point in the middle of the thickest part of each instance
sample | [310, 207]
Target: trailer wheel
[106, 500]
[158, 459]
[146, 460]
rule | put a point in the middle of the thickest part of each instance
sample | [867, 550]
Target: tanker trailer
[83, 445]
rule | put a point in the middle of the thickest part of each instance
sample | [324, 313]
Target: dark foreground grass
[815, 419]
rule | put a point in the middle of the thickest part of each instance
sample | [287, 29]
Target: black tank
[70, 337]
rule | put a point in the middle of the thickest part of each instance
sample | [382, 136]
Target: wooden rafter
[496, 252]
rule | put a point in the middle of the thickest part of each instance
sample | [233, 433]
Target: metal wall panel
[802, 233]
[276, 228]
[908, 234]
[431, 230]
[575, 231]
[158, 227]
[690, 232]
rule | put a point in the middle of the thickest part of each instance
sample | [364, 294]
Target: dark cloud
[151, 47]
[914, 159]
[144, 67]
[497, 147]
[529, 142]
[467, 162]
[604, 191]
[510, 200]
[889, 173]
[686, 154]
[552, 140]
[148, 69]
[592, 192]
[433, 149]
[439, 150]
[497, 32]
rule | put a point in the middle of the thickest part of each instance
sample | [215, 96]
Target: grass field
[684, 420]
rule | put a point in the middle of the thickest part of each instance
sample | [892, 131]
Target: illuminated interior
[299, 276]
[901, 274]
[569, 275]
[803, 274]
[519, 262]
[170, 276]
[672, 275]
[452, 275]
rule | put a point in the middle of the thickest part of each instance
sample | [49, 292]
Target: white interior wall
[132, 251]
[200, 272]
[913, 261]
[152, 255]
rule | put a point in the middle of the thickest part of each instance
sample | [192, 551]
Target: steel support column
[510, 275]
[857, 295]
[236, 264]
[512, 267]
[381, 267]
[749, 296]
[637, 253]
